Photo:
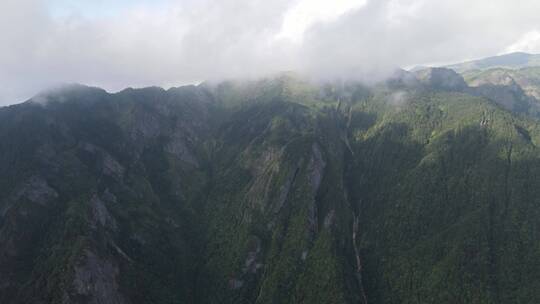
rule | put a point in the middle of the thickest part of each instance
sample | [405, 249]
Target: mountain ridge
[514, 60]
[270, 191]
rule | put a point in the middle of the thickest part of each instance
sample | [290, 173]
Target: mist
[170, 43]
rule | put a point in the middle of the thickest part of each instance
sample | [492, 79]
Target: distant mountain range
[515, 60]
[510, 61]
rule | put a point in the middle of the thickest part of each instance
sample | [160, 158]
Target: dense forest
[423, 188]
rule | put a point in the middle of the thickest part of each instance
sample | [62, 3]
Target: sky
[116, 44]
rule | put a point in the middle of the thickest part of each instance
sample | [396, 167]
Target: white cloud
[305, 13]
[139, 43]
[530, 42]
[371, 41]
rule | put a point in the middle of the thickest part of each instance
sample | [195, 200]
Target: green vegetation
[274, 191]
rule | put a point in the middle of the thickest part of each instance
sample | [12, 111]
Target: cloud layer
[168, 43]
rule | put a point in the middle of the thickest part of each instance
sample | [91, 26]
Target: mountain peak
[441, 78]
[64, 92]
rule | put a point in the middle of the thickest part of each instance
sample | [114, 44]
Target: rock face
[498, 85]
[316, 167]
[100, 215]
[36, 190]
[496, 77]
[22, 213]
[83, 212]
[441, 79]
[252, 263]
[285, 189]
[107, 164]
[95, 282]
[178, 147]
[516, 90]
[510, 96]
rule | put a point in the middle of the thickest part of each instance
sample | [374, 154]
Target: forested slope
[271, 191]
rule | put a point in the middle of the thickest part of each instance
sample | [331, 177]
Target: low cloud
[398, 99]
[168, 43]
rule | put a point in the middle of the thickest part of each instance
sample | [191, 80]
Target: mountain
[503, 90]
[510, 61]
[511, 79]
[527, 78]
[441, 79]
[419, 189]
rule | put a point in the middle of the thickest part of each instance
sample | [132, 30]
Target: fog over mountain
[169, 43]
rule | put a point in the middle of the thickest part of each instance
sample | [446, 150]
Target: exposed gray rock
[108, 196]
[304, 255]
[267, 161]
[329, 219]
[37, 190]
[121, 252]
[511, 97]
[172, 222]
[46, 153]
[316, 167]
[109, 166]
[263, 169]
[251, 265]
[496, 77]
[139, 239]
[88, 147]
[100, 215]
[95, 281]
[8, 242]
[358, 258]
[179, 149]
[285, 189]
[146, 124]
